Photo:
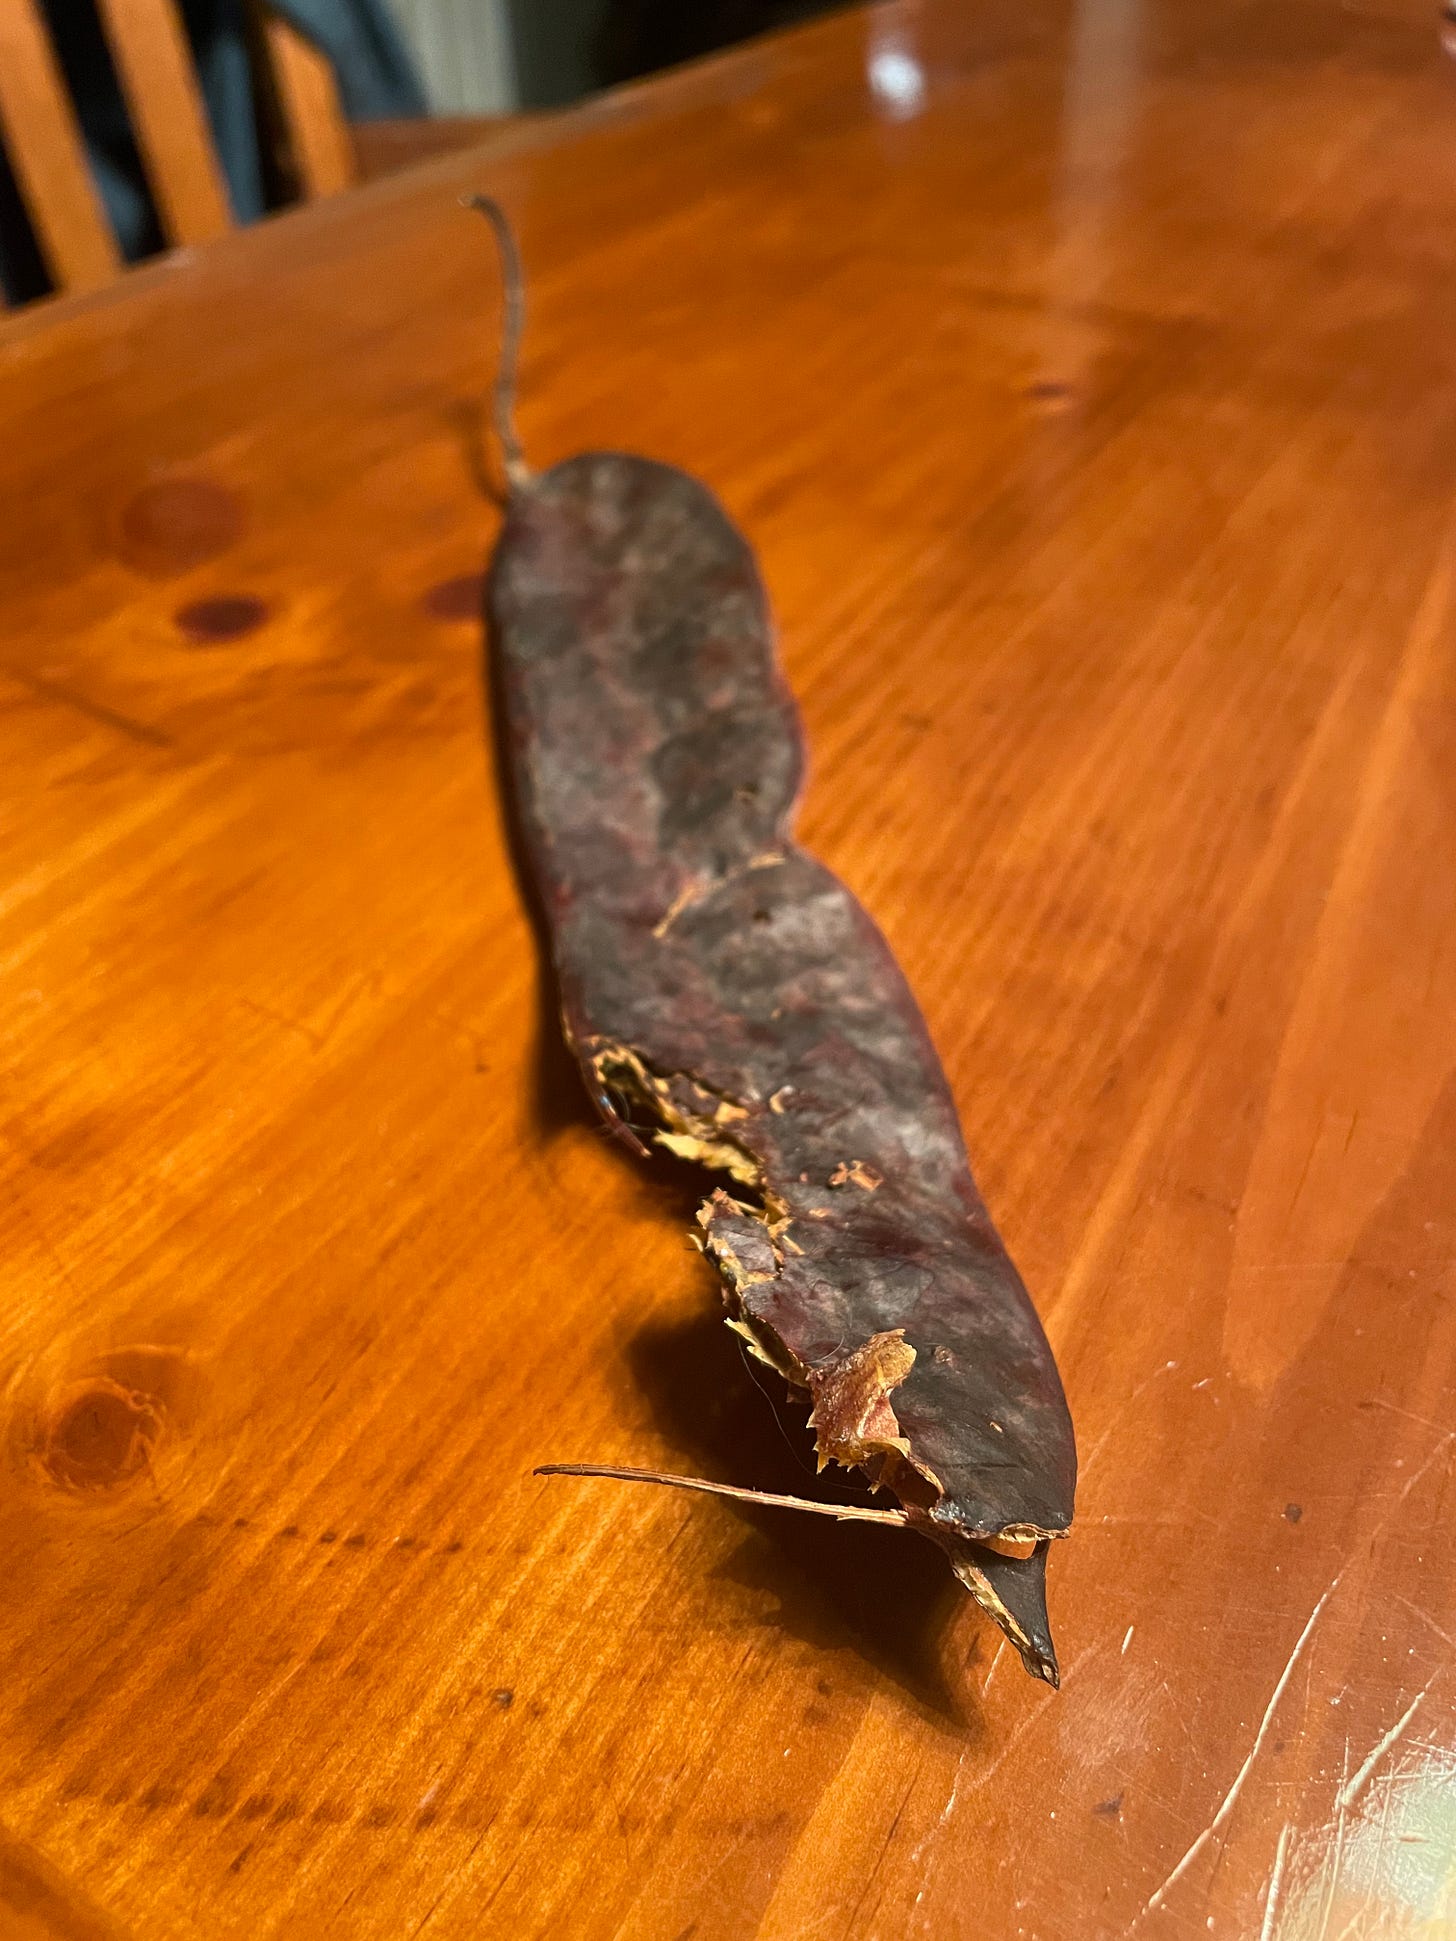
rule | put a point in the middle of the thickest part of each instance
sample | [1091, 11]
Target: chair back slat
[154, 65]
[46, 153]
[308, 95]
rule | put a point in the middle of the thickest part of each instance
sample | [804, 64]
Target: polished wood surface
[381, 147]
[1085, 380]
[45, 151]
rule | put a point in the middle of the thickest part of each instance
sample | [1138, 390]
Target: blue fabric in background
[375, 74]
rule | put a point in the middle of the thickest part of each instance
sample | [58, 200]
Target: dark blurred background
[566, 48]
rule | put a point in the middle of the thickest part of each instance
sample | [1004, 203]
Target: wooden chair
[154, 66]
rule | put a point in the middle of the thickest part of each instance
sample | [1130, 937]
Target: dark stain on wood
[174, 524]
[462, 598]
[217, 621]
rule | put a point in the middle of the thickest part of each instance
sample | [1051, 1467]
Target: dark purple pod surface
[722, 986]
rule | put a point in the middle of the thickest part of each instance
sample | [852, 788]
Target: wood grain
[1086, 385]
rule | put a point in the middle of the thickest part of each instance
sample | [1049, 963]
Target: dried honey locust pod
[720, 987]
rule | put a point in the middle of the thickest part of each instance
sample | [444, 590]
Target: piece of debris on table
[724, 992]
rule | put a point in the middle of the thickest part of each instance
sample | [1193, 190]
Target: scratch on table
[1426, 1421]
[1230, 1798]
[311, 1037]
[1382, 1832]
[1031, 1718]
[1425, 1617]
[96, 711]
[1351, 1927]
[1371, 1835]
[981, 1778]
[992, 1672]
[1119, 1421]
[885, 1845]
[1178, 1715]
[1445, 1442]
[1276, 1882]
[1330, 1872]
[1162, 1522]
[1304, 1172]
[1351, 1791]
[941, 1824]
[462, 1871]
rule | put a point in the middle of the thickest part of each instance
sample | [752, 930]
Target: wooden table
[1088, 385]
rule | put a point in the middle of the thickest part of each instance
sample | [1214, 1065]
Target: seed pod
[721, 987]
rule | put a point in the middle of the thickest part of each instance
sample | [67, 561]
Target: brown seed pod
[719, 986]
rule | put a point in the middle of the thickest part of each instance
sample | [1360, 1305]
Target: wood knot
[98, 1434]
[124, 1414]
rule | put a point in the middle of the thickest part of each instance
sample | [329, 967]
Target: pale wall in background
[464, 51]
